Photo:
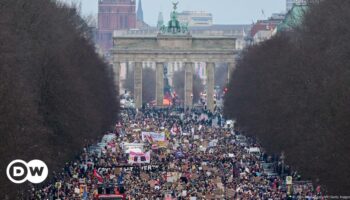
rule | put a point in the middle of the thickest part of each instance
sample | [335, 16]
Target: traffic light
[225, 90]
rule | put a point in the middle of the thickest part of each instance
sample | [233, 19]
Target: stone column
[159, 83]
[138, 84]
[188, 85]
[210, 68]
[230, 68]
[116, 71]
[128, 65]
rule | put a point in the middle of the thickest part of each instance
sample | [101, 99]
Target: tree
[56, 94]
[291, 92]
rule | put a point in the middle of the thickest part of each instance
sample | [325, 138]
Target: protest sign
[289, 180]
[137, 157]
[153, 137]
[135, 147]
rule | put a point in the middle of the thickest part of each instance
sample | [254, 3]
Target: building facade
[114, 15]
[196, 18]
[264, 29]
[240, 32]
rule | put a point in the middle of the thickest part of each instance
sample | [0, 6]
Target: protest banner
[153, 137]
[135, 147]
[139, 157]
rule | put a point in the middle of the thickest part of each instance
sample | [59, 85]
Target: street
[172, 154]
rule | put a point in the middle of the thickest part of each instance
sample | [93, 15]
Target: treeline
[55, 92]
[292, 93]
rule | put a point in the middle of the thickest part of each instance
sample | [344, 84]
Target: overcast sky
[224, 11]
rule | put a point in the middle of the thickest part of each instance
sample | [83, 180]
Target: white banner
[135, 147]
[153, 137]
[135, 157]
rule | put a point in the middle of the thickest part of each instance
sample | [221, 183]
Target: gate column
[188, 85]
[138, 84]
[159, 83]
[210, 68]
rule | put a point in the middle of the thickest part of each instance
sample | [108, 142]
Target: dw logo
[35, 171]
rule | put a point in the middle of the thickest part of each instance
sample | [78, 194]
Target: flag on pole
[98, 176]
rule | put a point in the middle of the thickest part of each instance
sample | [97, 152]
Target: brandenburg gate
[173, 43]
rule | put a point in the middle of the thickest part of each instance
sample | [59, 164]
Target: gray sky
[224, 11]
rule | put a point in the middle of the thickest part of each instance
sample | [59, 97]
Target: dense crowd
[201, 157]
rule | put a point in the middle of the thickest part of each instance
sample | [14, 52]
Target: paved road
[172, 154]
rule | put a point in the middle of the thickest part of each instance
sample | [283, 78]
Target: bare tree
[292, 93]
[56, 94]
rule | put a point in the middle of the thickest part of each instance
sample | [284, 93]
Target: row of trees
[292, 93]
[55, 92]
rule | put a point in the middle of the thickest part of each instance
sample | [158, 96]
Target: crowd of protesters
[200, 158]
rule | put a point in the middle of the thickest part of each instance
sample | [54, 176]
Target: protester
[171, 153]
